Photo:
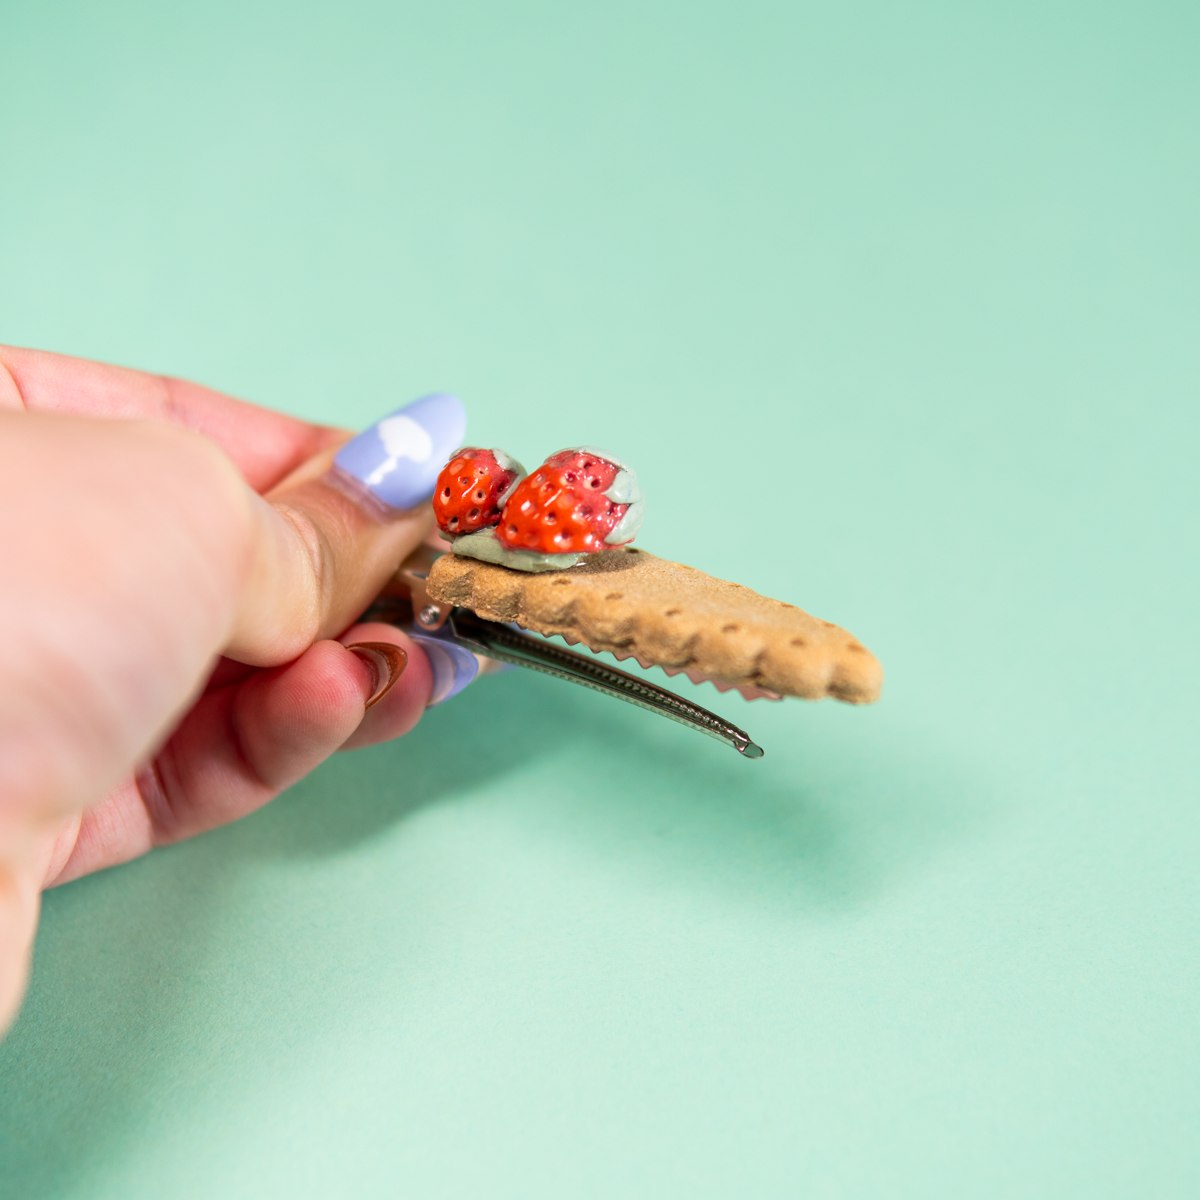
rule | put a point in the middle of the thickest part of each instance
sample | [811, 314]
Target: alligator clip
[406, 603]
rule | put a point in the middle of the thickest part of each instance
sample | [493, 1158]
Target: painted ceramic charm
[578, 503]
[549, 554]
[472, 489]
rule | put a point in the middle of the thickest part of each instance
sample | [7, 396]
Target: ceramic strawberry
[577, 502]
[472, 489]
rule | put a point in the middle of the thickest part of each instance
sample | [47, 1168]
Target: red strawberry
[471, 489]
[562, 507]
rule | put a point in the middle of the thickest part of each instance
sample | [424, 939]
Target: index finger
[265, 446]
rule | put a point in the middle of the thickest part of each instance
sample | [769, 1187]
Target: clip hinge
[412, 577]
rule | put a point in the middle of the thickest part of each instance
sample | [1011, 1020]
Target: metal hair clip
[406, 603]
[550, 553]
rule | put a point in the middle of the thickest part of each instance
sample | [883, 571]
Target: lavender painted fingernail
[453, 667]
[398, 459]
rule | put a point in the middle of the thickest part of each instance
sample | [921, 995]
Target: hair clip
[549, 553]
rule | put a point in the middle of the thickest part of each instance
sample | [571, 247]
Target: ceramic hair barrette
[549, 553]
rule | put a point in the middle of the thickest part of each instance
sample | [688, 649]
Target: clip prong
[508, 645]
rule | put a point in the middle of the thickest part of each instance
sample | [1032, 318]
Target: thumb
[328, 537]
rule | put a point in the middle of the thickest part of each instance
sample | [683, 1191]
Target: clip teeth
[748, 690]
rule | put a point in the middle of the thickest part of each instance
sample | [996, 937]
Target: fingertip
[291, 718]
[19, 907]
[404, 703]
[333, 682]
[386, 661]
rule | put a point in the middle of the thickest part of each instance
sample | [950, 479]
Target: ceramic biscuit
[635, 605]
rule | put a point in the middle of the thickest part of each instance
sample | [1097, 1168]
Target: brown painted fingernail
[387, 662]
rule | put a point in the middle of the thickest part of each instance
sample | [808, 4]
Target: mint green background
[915, 286]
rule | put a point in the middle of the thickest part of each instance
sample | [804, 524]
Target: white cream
[506, 462]
[485, 546]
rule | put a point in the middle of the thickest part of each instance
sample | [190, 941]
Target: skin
[178, 582]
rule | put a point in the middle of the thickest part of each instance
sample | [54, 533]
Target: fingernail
[453, 667]
[387, 662]
[398, 459]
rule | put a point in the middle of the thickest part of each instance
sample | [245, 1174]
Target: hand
[178, 578]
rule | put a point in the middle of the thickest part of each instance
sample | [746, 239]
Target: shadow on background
[127, 960]
[841, 807]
